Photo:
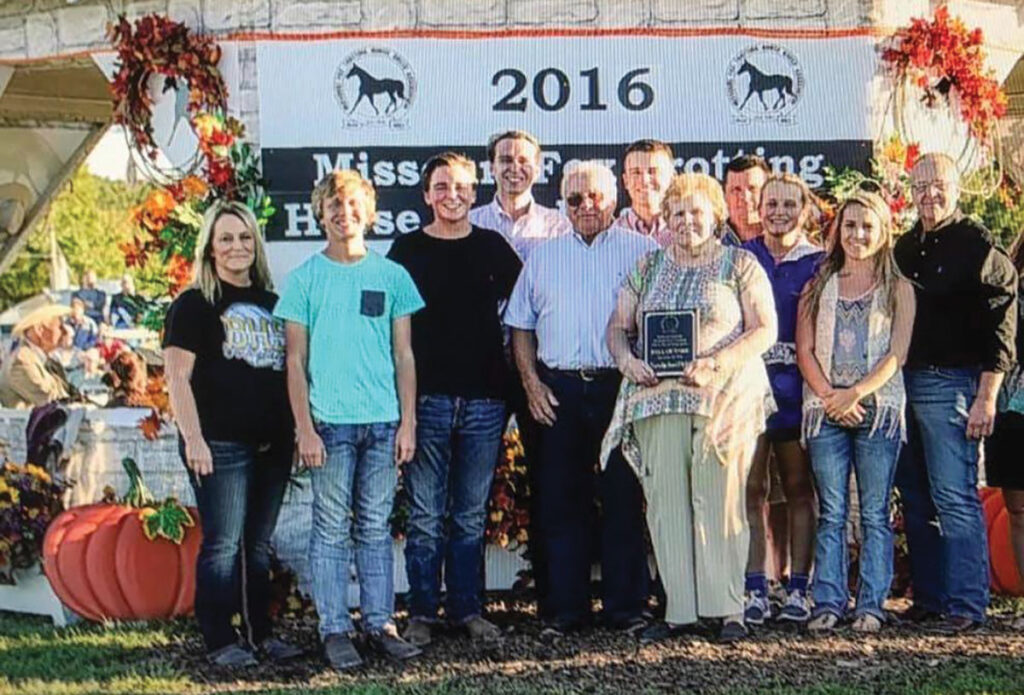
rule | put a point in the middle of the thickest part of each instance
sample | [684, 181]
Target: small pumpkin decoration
[1004, 577]
[128, 560]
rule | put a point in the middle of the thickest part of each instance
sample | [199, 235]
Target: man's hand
[638, 371]
[542, 401]
[311, 449]
[981, 417]
[405, 443]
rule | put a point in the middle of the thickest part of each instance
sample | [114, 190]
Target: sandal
[825, 622]
[867, 623]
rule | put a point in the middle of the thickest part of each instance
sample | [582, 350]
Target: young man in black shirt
[465, 274]
[962, 345]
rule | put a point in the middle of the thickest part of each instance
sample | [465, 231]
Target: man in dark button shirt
[465, 274]
[963, 344]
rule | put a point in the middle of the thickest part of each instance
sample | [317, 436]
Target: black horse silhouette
[761, 83]
[370, 87]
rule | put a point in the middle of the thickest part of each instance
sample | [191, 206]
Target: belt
[585, 373]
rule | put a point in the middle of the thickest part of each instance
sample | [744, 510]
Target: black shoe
[232, 656]
[661, 631]
[954, 625]
[279, 650]
[388, 643]
[732, 631]
[340, 653]
[918, 615]
[629, 626]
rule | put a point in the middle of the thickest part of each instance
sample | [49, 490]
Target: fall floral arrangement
[158, 45]
[226, 167]
[29, 500]
[946, 62]
[508, 513]
[888, 174]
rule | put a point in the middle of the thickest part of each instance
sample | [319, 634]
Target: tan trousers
[696, 513]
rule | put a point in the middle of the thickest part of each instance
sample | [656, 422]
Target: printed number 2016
[634, 94]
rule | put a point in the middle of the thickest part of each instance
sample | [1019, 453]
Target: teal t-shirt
[348, 310]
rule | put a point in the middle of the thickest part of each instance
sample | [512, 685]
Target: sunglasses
[574, 200]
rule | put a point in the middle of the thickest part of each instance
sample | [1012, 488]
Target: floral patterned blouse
[736, 403]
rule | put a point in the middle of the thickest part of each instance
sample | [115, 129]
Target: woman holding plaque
[688, 428]
[853, 333]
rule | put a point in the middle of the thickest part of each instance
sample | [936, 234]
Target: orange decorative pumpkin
[133, 560]
[1005, 579]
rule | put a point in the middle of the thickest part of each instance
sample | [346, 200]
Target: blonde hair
[886, 272]
[340, 181]
[204, 273]
[683, 185]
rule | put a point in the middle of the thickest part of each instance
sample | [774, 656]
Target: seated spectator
[107, 346]
[29, 377]
[85, 333]
[127, 306]
[94, 298]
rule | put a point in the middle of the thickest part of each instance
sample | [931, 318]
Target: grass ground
[164, 658]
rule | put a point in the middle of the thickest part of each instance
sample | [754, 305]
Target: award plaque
[670, 340]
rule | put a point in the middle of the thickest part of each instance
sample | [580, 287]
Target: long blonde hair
[885, 270]
[204, 274]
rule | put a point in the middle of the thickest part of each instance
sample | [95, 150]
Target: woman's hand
[843, 406]
[198, 456]
[638, 371]
[700, 372]
[312, 453]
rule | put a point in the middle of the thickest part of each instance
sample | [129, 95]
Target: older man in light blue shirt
[558, 312]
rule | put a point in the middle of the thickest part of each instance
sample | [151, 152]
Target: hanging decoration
[940, 64]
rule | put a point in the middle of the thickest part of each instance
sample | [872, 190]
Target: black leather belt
[585, 373]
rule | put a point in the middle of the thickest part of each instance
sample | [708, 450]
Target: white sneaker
[796, 609]
[756, 609]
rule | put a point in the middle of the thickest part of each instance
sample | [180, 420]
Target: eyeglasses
[869, 186]
[574, 200]
[925, 186]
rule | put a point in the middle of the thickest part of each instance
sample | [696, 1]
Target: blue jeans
[835, 451]
[352, 496]
[449, 483]
[238, 505]
[937, 478]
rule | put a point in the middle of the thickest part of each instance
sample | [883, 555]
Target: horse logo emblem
[764, 83]
[375, 86]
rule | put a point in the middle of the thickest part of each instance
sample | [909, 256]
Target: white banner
[383, 106]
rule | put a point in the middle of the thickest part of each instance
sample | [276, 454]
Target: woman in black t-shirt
[224, 355]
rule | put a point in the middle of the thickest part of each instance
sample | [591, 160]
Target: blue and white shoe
[796, 609]
[757, 609]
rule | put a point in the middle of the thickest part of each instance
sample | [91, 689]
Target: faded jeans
[352, 496]
[835, 452]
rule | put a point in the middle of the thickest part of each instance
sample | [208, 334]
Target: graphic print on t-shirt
[252, 334]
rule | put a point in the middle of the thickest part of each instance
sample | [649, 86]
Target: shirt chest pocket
[371, 303]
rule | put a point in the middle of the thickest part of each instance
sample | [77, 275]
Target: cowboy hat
[40, 315]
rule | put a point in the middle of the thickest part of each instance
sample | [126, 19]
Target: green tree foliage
[90, 217]
[1002, 212]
